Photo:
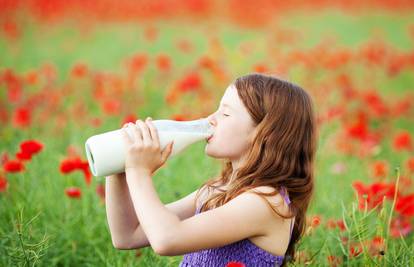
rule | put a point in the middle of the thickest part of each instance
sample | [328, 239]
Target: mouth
[209, 138]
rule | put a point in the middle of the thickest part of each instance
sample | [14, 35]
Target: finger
[146, 137]
[136, 133]
[125, 136]
[167, 151]
[154, 132]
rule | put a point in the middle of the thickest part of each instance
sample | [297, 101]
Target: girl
[254, 212]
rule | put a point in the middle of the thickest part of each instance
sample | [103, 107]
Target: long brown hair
[282, 152]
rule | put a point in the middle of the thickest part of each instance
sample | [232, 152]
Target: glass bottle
[106, 152]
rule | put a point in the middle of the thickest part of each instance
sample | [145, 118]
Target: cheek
[229, 142]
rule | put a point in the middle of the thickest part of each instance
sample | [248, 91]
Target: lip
[209, 138]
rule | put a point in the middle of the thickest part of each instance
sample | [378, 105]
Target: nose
[211, 119]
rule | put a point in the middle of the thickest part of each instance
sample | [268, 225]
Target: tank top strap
[283, 192]
[291, 226]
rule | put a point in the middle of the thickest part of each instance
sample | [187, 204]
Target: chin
[214, 154]
[209, 152]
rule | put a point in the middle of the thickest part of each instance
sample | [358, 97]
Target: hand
[143, 150]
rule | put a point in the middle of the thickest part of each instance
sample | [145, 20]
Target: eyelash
[225, 115]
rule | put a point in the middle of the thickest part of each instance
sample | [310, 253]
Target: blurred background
[73, 69]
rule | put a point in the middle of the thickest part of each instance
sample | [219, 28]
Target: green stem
[21, 240]
[393, 204]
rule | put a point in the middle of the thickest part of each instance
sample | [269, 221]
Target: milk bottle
[106, 152]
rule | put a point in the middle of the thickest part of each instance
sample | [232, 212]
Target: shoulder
[252, 203]
[276, 200]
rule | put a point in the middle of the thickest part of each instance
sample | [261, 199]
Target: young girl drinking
[253, 213]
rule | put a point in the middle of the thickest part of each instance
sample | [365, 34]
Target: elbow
[119, 244]
[164, 247]
[161, 249]
[168, 243]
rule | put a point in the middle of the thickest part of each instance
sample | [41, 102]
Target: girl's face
[232, 126]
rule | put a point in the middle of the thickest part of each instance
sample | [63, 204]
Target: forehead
[231, 98]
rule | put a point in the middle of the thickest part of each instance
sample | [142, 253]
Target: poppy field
[73, 69]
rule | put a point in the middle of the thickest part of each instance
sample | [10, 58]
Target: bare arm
[124, 226]
[120, 213]
[247, 215]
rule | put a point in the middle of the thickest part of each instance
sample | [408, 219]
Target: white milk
[106, 152]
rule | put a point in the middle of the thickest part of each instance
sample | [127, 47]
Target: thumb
[167, 151]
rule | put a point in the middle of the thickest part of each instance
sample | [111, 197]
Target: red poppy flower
[111, 106]
[87, 173]
[22, 117]
[67, 166]
[129, 118]
[96, 122]
[358, 130]
[315, 221]
[31, 147]
[375, 103]
[405, 205]
[396, 64]
[79, 70]
[334, 261]
[341, 225]
[402, 141]
[138, 62]
[402, 107]
[261, 68]
[347, 89]
[31, 77]
[11, 30]
[379, 169]
[374, 53]
[235, 264]
[410, 165]
[355, 251]
[73, 192]
[163, 62]
[377, 242]
[400, 226]
[179, 117]
[330, 224]
[23, 156]
[3, 184]
[14, 89]
[13, 166]
[206, 62]
[190, 82]
[72, 164]
[373, 193]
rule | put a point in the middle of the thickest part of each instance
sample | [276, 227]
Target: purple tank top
[243, 251]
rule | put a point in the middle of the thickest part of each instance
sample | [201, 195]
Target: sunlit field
[66, 75]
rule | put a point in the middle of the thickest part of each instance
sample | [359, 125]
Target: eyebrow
[226, 105]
